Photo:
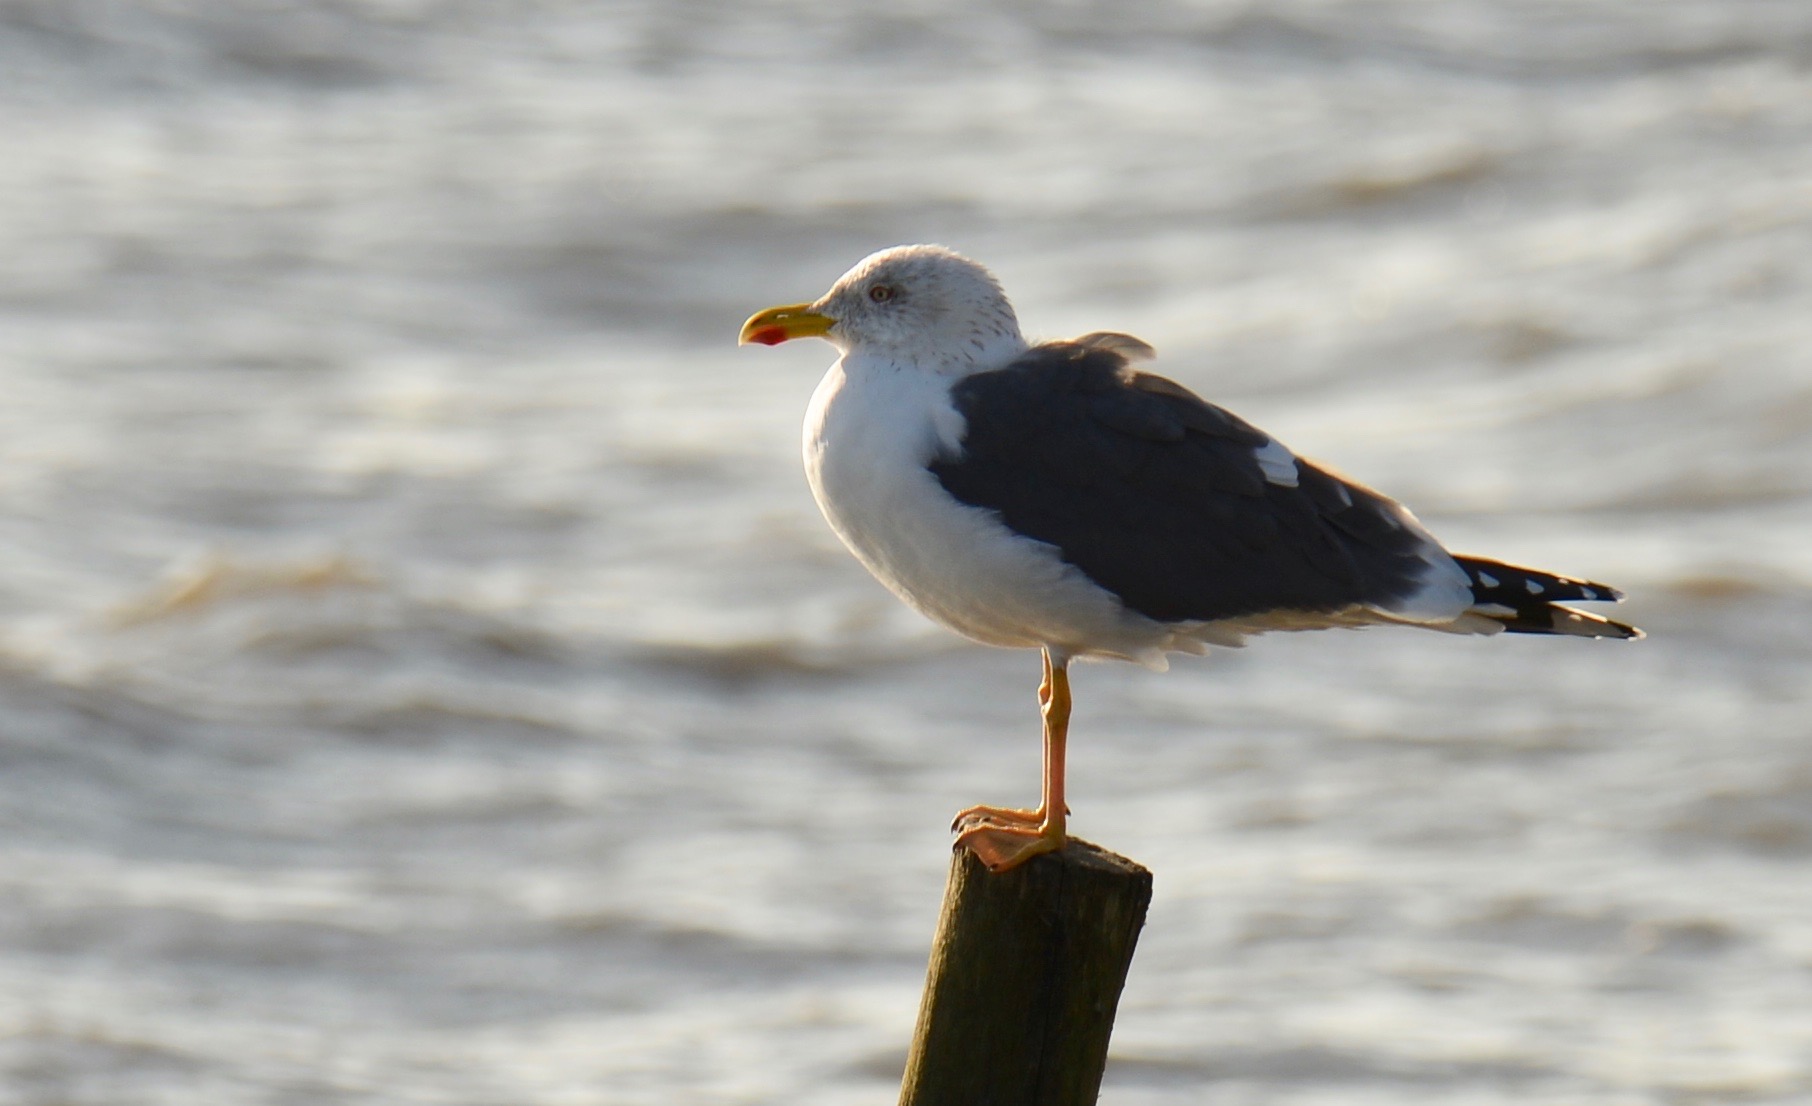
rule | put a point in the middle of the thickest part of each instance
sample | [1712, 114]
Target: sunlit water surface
[424, 677]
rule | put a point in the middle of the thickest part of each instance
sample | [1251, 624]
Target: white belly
[868, 437]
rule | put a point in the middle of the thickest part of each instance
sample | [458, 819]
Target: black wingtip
[1528, 601]
[1516, 586]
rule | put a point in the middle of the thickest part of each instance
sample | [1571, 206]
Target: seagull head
[925, 306]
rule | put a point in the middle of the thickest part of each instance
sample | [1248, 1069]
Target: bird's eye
[881, 293]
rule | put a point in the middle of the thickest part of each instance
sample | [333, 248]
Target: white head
[921, 305]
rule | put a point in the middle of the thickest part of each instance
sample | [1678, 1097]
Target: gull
[1051, 496]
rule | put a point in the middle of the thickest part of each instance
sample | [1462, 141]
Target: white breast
[869, 433]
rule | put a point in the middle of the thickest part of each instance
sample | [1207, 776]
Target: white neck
[976, 355]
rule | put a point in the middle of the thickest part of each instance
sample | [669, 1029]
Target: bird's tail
[1527, 601]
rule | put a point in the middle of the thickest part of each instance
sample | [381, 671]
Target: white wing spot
[1277, 462]
[1534, 588]
[1487, 579]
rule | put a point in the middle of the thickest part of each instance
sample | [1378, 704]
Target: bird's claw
[1004, 847]
[998, 816]
[995, 816]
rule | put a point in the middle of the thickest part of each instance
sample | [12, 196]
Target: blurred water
[424, 677]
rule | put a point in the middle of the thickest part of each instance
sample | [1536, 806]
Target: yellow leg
[1004, 842]
[976, 816]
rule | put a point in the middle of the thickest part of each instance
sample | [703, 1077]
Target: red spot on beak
[769, 335]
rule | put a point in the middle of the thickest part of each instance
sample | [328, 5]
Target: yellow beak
[777, 324]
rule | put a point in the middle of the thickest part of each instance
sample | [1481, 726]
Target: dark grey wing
[1161, 497]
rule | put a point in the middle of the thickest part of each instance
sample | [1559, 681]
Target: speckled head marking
[922, 305]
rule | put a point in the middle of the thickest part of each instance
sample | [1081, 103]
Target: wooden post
[1026, 971]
